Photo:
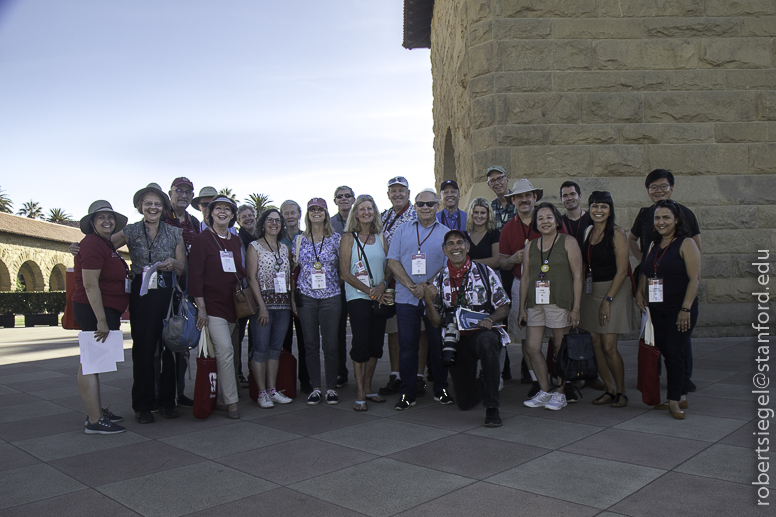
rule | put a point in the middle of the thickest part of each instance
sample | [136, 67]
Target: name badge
[280, 282]
[655, 290]
[127, 285]
[589, 282]
[361, 273]
[319, 279]
[153, 282]
[227, 262]
[419, 264]
[542, 292]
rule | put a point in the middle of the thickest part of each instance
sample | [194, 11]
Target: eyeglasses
[665, 187]
[273, 220]
[421, 204]
[499, 179]
[344, 196]
[152, 205]
[315, 209]
[184, 191]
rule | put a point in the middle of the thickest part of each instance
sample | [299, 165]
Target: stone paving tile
[744, 437]
[295, 460]
[163, 428]
[727, 391]
[42, 426]
[230, 439]
[185, 489]
[469, 456]
[538, 432]
[125, 462]
[70, 390]
[742, 378]
[314, 420]
[541, 476]
[12, 457]
[17, 398]
[33, 483]
[30, 410]
[646, 449]
[250, 410]
[725, 408]
[489, 499]
[40, 380]
[724, 462]
[694, 496]
[699, 374]
[279, 501]
[383, 436]
[64, 445]
[382, 480]
[7, 370]
[446, 417]
[5, 390]
[584, 412]
[74, 504]
[694, 427]
[707, 363]
[120, 401]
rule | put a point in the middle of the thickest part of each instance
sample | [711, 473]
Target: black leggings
[675, 347]
[84, 316]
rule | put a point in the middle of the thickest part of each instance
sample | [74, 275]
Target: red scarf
[456, 277]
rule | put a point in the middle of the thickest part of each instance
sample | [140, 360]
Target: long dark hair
[260, 225]
[598, 196]
[681, 225]
[555, 213]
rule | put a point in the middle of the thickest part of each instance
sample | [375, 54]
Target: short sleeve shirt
[474, 289]
[514, 237]
[327, 253]
[502, 215]
[645, 222]
[144, 251]
[391, 223]
[453, 220]
[483, 249]
[97, 254]
[405, 245]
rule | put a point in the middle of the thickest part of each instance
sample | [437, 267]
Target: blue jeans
[267, 340]
[408, 319]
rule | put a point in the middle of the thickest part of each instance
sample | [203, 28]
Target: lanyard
[278, 258]
[656, 262]
[522, 227]
[589, 249]
[541, 249]
[317, 260]
[151, 243]
[457, 220]
[396, 217]
[113, 250]
[417, 231]
[359, 248]
[579, 225]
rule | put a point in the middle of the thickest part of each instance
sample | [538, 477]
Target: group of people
[519, 264]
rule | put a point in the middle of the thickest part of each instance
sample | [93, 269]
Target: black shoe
[534, 390]
[342, 380]
[169, 413]
[404, 403]
[144, 417]
[691, 386]
[444, 398]
[572, 393]
[103, 426]
[392, 387]
[157, 408]
[184, 401]
[420, 386]
[306, 387]
[492, 418]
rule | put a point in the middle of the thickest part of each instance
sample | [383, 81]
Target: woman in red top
[99, 300]
[215, 266]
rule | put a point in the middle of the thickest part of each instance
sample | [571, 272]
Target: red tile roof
[37, 229]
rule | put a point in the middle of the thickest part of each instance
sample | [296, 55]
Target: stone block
[729, 290]
[750, 79]
[480, 33]
[699, 106]
[747, 190]
[484, 138]
[740, 132]
[771, 133]
[483, 59]
[600, 108]
[520, 135]
[482, 85]
[764, 26]
[670, 54]
[736, 53]
[543, 108]
[740, 7]
[741, 265]
[618, 54]
[619, 160]
[726, 217]
[734, 241]
[581, 134]
[587, 28]
[522, 29]
[522, 82]
[478, 10]
[611, 81]
[762, 158]
[551, 161]
[700, 158]
[696, 80]
[687, 133]
[640, 133]
[690, 27]
[546, 55]
[481, 160]
[649, 8]
[766, 105]
[548, 8]
[716, 266]
[501, 103]
[483, 113]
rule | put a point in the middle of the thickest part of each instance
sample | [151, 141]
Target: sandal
[374, 397]
[360, 405]
[600, 401]
[620, 400]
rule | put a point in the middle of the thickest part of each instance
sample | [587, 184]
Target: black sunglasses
[421, 204]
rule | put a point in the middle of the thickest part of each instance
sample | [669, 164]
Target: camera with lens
[451, 337]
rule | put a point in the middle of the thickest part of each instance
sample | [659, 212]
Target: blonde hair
[490, 224]
[328, 231]
[353, 225]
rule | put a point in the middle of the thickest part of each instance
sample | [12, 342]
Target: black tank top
[603, 260]
[672, 270]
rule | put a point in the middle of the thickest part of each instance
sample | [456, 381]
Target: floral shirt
[266, 276]
[475, 291]
[146, 252]
[328, 255]
[389, 217]
[502, 215]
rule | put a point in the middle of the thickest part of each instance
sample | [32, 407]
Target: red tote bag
[206, 385]
[649, 359]
[286, 381]
[68, 318]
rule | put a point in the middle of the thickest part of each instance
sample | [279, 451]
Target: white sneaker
[539, 400]
[279, 398]
[557, 401]
[500, 384]
[264, 401]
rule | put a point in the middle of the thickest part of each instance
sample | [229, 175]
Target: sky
[291, 99]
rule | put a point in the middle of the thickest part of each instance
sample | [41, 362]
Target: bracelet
[684, 310]
[386, 283]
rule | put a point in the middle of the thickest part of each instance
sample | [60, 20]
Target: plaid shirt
[502, 215]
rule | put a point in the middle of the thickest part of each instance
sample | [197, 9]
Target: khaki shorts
[550, 316]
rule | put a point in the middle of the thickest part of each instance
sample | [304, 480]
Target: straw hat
[156, 189]
[101, 206]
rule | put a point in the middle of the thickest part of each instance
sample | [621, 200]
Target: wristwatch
[684, 309]
[609, 299]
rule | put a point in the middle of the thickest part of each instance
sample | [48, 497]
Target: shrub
[32, 302]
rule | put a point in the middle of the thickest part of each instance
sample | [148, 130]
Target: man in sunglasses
[181, 194]
[343, 199]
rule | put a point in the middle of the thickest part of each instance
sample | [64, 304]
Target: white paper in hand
[98, 357]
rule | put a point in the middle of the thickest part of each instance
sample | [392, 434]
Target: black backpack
[576, 358]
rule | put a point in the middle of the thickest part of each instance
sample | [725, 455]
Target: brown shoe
[679, 415]
[682, 405]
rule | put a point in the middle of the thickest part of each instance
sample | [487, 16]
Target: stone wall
[603, 91]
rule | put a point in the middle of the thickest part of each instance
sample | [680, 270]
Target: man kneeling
[473, 286]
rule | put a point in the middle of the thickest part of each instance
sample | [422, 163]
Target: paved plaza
[331, 461]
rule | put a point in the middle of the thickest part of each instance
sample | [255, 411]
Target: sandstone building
[602, 92]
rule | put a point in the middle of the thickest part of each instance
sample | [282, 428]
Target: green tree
[259, 202]
[226, 191]
[31, 210]
[58, 215]
[6, 206]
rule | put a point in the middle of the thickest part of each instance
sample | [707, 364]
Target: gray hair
[243, 208]
[427, 190]
[343, 187]
[291, 202]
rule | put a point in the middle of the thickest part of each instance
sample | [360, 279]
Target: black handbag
[379, 310]
[576, 357]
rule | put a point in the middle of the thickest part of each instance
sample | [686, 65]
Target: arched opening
[57, 278]
[29, 277]
[448, 164]
[5, 277]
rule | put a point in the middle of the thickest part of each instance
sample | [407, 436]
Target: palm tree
[31, 210]
[6, 206]
[259, 202]
[226, 191]
[58, 215]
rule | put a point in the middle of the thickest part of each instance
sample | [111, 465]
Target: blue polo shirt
[405, 244]
[454, 220]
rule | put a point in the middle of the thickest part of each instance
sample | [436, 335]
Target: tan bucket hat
[101, 206]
